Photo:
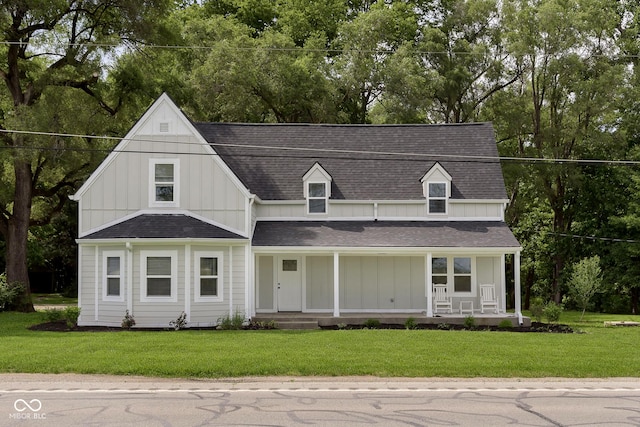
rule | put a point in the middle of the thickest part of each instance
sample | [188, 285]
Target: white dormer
[317, 190]
[436, 187]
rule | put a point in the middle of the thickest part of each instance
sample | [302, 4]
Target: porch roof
[165, 226]
[457, 234]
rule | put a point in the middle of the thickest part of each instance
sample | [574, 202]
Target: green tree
[585, 281]
[54, 57]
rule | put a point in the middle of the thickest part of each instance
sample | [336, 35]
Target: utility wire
[461, 157]
[606, 239]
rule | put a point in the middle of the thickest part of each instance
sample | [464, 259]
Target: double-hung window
[159, 276]
[317, 197]
[456, 272]
[113, 276]
[437, 198]
[164, 182]
[208, 276]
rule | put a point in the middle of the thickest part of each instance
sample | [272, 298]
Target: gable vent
[164, 127]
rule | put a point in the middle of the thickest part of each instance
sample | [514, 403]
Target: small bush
[537, 309]
[372, 324]
[505, 324]
[552, 312]
[259, 325]
[180, 322]
[54, 315]
[411, 323]
[228, 322]
[71, 315]
[9, 292]
[342, 326]
[444, 326]
[469, 322]
[128, 322]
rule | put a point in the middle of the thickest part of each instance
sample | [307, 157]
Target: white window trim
[451, 276]
[143, 276]
[176, 182]
[325, 198]
[196, 268]
[445, 198]
[105, 276]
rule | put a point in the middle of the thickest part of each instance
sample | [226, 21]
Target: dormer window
[437, 198]
[436, 187]
[163, 186]
[317, 190]
[317, 199]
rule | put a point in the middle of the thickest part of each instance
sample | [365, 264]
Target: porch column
[427, 285]
[503, 282]
[516, 282]
[336, 284]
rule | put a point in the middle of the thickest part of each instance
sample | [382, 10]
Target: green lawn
[52, 299]
[599, 352]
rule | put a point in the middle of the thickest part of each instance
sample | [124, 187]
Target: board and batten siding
[382, 283]
[386, 210]
[123, 186]
[319, 282]
[265, 282]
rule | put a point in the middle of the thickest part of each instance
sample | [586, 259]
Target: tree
[54, 58]
[585, 281]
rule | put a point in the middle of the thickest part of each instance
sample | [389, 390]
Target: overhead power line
[606, 239]
[320, 151]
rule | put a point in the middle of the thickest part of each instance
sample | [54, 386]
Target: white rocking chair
[441, 299]
[488, 298]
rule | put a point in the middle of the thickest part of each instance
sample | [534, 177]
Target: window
[289, 265]
[437, 198]
[456, 272]
[439, 271]
[317, 197]
[208, 276]
[159, 276]
[462, 275]
[113, 276]
[163, 186]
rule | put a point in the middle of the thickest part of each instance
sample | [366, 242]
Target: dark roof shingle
[163, 226]
[361, 164]
[456, 234]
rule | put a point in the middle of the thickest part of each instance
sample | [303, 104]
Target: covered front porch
[337, 269]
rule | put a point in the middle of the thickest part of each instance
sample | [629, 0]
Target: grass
[52, 299]
[600, 352]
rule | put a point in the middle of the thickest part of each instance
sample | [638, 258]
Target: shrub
[372, 324]
[9, 292]
[411, 323]
[54, 315]
[228, 322]
[180, 322]
[444, 326]
[505, 324]
[469, 322]
[342, 326]
[71, 315]
[128, 322]
[537, 309]
[258, 325]
[552, 312]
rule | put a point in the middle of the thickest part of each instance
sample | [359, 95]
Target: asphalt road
[75, 400]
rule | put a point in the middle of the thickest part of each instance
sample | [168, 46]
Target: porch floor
[298, 320]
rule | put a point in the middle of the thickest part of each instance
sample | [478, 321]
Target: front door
[289, 283]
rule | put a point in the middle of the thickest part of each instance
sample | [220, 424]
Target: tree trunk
[18, 232]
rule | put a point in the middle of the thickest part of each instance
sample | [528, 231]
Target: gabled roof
[268, 160]
[401, 234]
[163, 226]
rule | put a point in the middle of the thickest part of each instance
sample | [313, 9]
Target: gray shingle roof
[275, 174]
[163, 227]
[458, 234]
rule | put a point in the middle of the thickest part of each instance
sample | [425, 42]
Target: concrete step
[298, 324]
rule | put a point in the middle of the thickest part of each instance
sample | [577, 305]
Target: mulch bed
[61, 326]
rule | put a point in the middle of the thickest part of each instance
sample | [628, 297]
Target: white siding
[87, 279]
[264, 282]
[319, 283]
[123, 186]
[399, 210]
[382, 283]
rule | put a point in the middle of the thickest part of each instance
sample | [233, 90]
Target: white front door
[289, 286]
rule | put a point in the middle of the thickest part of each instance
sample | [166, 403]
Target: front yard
[599, 352]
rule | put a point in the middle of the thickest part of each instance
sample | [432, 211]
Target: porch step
[298, 324]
